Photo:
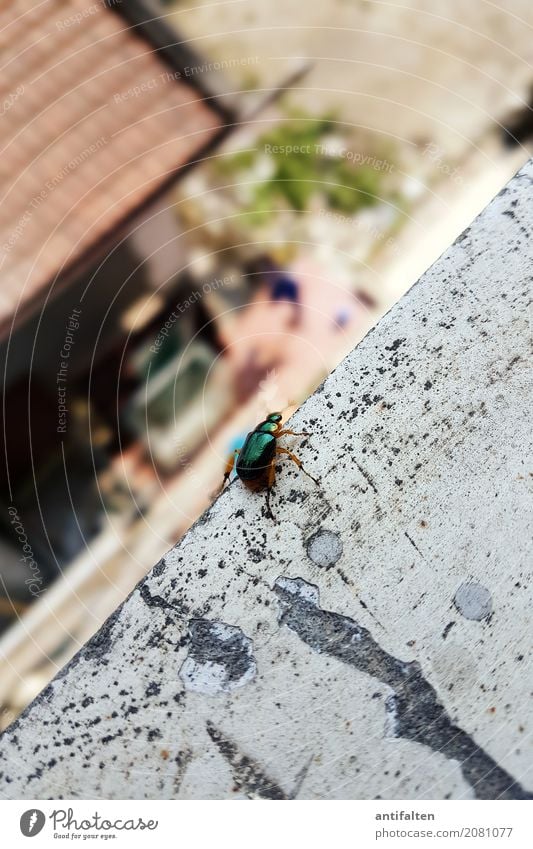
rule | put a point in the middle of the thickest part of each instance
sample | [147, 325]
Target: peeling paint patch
[414, 711]
[299, 589]
[473, 601]
[220, 658]
[324, 548]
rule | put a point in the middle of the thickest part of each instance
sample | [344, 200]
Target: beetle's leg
[229, 468]
[271, 476]
[286, 432]
[298, 462]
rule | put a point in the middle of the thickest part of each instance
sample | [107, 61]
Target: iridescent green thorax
[266, 427]
[270, 425]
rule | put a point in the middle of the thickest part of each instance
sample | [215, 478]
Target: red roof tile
[81, 147]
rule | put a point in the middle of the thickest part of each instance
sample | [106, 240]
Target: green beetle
[257, 458]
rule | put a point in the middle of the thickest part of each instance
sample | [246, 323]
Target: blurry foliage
[301, 169]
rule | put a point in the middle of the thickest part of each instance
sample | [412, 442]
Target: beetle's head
[274, 417]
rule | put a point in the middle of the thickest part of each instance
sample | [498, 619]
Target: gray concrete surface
[373, 641]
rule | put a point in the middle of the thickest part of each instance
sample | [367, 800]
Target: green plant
[302, 167]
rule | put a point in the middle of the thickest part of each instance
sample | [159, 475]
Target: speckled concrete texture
[374, 640]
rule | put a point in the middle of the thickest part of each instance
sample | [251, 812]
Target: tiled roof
[93, 123]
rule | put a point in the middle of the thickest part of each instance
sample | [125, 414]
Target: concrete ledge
[373, 641]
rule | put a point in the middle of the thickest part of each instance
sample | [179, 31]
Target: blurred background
[204, 207]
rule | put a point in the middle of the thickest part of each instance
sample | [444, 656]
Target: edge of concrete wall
[370, 642]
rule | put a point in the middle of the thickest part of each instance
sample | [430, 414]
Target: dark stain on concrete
[413, 543]
[414, 706]
[182, 761]
[367, 477]
[159, 568]
[447, 629]
[248, 775]
[156, 600]
[102, 642]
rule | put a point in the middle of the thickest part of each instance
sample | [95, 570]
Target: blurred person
[282, 287]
